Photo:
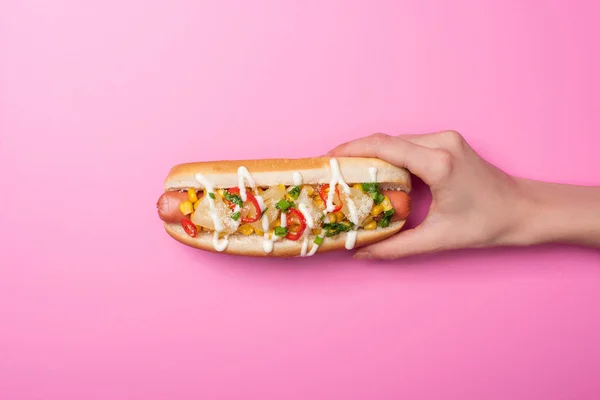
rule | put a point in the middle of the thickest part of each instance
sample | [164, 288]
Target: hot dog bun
[252, 246]
[271, 172]
[267, 173]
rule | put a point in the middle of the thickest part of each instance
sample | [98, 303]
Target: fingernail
[362, 255]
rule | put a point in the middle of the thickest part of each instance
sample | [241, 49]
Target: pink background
[99, 99]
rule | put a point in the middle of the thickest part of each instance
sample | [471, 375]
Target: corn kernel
[331, 218]
[378, 209]
[339, 216]
[288, 197]
[358, 186]
[221, 192]
[371, 226]
[387, 205]
[318, 201]
[186, 207]
[317, 231]
[246, 229]
[309, 189]
[367, 221]
[259, 232]
[197, 204]
[282, 186]
[192, 196]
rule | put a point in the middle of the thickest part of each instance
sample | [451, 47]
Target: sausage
[401, 204]
[168, 206]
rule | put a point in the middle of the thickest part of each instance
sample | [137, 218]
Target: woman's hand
[474, 204]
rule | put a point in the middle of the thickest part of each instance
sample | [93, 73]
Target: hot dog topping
[296, 224]
[295, 192]
[189, 227]
[324, 193]
[249, 210]
[284, 205]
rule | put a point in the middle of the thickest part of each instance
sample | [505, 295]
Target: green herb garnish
[281, 231]
[335, 228]
[373, 189]
[284, 205]
[387, 218]
[235, 216]
[370, 187]
[377, 197]
[318, 240]
[295, 192]
[212, 195]
[234, 198]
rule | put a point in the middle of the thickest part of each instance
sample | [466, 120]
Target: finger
[430, 140]
[448, 140]
[420, 240]
[394, 150]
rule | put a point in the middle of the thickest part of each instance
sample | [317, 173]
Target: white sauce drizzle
[220, 245]
[304, 244]
[261, 203]
[297, 177]
[310, 222]
[244, 174]
[212, 212]
[313, 250]
[265, 223]
[337, 179]
[267, 243]
[373, 174]
[353, 213]
[264, 220]
[239, 220]
[351, 239]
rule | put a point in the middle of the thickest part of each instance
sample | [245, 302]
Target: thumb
[420, 240]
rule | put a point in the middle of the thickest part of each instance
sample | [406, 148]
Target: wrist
[557, 213]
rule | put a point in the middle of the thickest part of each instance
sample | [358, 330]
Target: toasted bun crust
[252, 246]
[271, 172]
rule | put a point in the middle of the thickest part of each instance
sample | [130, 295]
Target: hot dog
[284, 207]
[169, 202]
[168, 206]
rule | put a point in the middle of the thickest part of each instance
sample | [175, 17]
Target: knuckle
[441, 164]
[380, 138]
[453, 139]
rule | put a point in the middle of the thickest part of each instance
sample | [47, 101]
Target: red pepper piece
[324, 192]
[189, 227]
[295, 228]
